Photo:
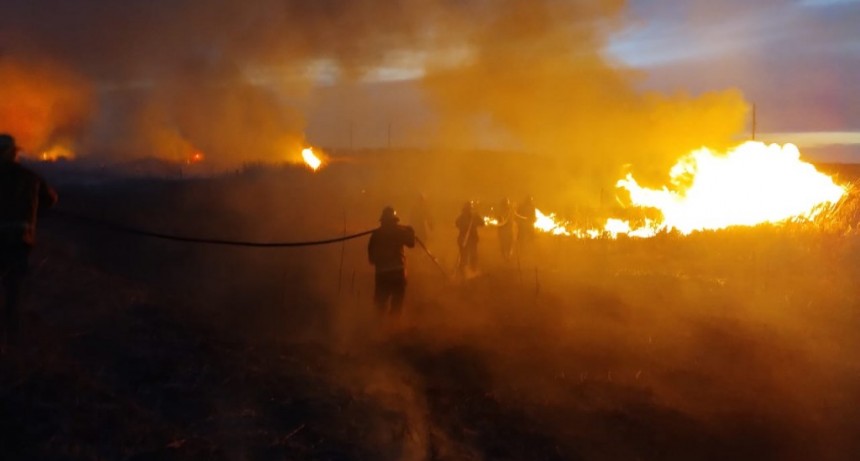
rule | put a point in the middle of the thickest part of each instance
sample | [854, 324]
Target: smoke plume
[234, 79]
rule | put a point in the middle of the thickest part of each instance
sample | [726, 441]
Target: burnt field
[739, 344]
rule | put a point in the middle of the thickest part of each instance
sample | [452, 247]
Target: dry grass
[737, 344]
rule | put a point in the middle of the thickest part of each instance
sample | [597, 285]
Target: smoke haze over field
[731, 344]
[736, 343]
[238, 81]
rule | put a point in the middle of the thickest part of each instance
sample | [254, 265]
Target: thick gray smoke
[235, 79]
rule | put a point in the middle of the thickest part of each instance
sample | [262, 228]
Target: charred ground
[737, 344]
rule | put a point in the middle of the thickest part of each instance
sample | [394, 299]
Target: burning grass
[731, 343]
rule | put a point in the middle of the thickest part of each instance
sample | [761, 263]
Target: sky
[242, 81]
[798, 61]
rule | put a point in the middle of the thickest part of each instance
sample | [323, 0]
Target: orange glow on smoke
[195, 157]
[41, 102]
[55, 153]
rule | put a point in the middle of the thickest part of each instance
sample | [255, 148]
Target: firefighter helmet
[388, 215]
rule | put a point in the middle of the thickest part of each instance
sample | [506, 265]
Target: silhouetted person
[467, 239]
[421, 219]
[22, 194]
[526, 215]
[385, 252]
[505, 226]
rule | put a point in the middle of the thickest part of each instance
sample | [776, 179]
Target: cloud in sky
[797, 60]
[826, 3]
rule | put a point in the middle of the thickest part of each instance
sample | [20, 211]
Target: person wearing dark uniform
[526, 217]
[385, 252]
[467, 239]
[22, 194]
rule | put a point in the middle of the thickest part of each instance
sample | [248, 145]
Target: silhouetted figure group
[22, 194]
[524, 216]
[506, 219]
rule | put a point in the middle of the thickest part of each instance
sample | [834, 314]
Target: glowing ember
[195, 157]
[751, 184]
[311, 160]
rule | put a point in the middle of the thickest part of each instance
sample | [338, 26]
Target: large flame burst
[752, 184]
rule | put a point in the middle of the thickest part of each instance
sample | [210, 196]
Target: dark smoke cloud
[228, 77]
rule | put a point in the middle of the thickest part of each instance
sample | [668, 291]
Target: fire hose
[212, 241]
[431, 256]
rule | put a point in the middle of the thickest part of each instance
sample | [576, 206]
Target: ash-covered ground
[739, 344]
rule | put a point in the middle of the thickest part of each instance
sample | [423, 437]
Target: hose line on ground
[212, 241]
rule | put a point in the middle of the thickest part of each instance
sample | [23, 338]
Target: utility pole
[753, 122]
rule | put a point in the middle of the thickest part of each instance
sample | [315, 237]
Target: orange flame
[550, 224]
[311, 160]
[490, 221]
[752, 184]
[56, 153]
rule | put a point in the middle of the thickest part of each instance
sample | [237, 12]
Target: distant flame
[751, 184]
[55, 153]
[311, 160]
[490, 221]
[195, 157]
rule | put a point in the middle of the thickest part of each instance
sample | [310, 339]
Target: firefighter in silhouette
[526, 215]
[468, 223]
[385, 252]
[22, 194]
[505, 227]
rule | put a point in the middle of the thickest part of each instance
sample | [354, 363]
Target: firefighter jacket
[385, 249]
[22, 194]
